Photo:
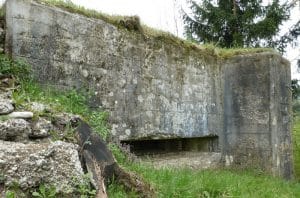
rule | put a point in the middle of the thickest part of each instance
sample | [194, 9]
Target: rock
[6, 106]
[41, 128]
[64, 119]
[7, 94]
[24, 115]
[14, 130]
[7, 82]
[39, 107]
[30, 165]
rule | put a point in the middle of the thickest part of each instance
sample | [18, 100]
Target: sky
[160, 14]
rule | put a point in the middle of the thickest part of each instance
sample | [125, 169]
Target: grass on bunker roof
[157, 35]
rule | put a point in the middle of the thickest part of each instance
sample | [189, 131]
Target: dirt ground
[194, 160]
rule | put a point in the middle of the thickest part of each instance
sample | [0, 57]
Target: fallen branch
[99, 161]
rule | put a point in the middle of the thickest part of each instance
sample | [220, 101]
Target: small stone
[24, 115]
[85, 73]
[5, 95]
[6, 107]
[39, 107]
[14, 130]
[64, 119]
[41, 128]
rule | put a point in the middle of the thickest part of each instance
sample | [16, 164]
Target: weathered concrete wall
[156, 90]
[257, 112]
[151, 89]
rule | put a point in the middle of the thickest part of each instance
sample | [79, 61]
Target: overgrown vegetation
[171, 182]
[45, 192]
[71, 101]
[296, 144]
[18, 68]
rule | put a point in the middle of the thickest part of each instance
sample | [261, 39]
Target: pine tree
[239, 23]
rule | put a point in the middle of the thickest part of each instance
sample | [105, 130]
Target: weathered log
[99, 161]
[97, 178]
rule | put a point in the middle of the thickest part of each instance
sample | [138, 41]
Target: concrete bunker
[156, 88]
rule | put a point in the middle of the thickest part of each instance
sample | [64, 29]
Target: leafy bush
[98, 121]
[45, 192]
[18, 68]
[296, 107]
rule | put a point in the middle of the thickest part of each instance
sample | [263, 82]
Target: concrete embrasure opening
[163, 146]
[198, 153]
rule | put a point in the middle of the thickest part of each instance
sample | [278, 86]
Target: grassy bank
[209, 183]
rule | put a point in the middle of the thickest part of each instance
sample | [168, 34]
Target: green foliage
[84, 188]
[18, 68]
[98, 121]
[117, 191]
[10, 194]
[295, 89]
[45, 192]
[118, 153]
[296, 107]
[71, 101]
[237, 23]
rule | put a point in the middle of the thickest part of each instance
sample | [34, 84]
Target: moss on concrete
[152, 33]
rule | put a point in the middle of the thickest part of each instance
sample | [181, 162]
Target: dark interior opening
[152, 147]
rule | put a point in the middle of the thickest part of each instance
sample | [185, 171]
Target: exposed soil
[190, 159]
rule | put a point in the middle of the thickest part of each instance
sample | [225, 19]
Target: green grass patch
[18, 68]
[172, 182]
[296, 146]
[211, 183]
[70, 101]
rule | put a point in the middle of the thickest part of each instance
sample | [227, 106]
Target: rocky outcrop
[30, 165]
[6, 106]
[15, 130]
[28, 157]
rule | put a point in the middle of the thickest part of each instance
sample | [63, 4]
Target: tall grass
[172, 182]
[71, 101]
[296, 146]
